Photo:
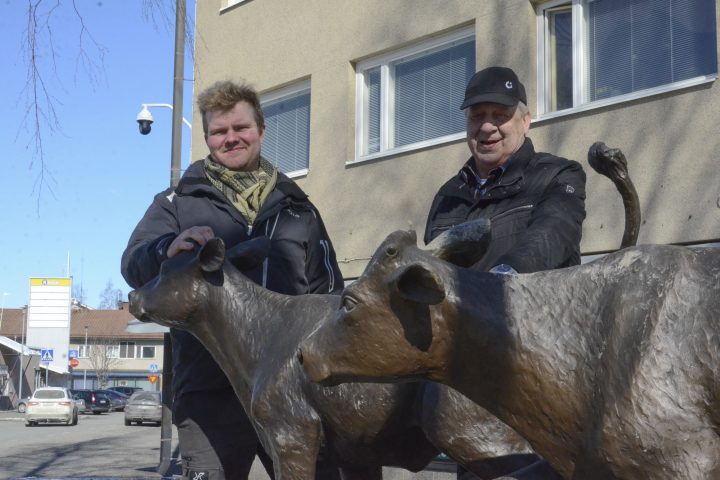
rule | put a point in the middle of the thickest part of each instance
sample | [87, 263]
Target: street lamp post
[85, 362]
[22, 353]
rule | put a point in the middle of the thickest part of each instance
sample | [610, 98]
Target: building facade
[106, 353]
[363, 98]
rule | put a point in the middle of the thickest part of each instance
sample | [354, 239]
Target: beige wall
[669, 140]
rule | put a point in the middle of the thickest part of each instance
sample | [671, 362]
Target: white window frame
[295, 89]
[386, 96]
[579, 16]
[112, 351]
[84, 352]
[130, 349]
[141, 348]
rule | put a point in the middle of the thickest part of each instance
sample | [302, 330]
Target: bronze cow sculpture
[610, 369]
[254, 335]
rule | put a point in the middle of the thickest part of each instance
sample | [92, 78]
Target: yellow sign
[153, 378]
[55, 282]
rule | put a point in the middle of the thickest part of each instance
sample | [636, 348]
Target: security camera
[144, 119]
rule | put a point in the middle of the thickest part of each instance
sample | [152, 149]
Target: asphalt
[14, 416]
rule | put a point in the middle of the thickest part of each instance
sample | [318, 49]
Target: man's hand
[184, 241]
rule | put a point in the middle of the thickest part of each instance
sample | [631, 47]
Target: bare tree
[103, 354]
[111, 298]
[39, 94]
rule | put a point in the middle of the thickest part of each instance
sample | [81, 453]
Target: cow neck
[238, 325]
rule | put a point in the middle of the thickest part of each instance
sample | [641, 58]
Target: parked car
[125, 389]
[95, 401]
[51, 405]
[142, 407]
[22, 404]
[117, 400]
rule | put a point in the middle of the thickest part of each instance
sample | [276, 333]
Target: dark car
[117, 399]
[96, 401]
[142, 407]
[125, 389]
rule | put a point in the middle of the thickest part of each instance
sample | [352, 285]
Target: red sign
[152, 378]
[74, 362]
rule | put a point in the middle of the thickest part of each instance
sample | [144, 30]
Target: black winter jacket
[536, 210]
[301, 260]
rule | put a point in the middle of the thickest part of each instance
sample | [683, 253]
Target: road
[99, 446]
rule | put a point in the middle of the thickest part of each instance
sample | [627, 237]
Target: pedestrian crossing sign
[46, 356]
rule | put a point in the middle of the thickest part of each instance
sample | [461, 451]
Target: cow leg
[370, 473]
[470, 435]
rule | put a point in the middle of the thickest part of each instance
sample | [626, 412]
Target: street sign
[46, 356]
[73, 353]
[154, 368]
[74, 362]
[153, 378]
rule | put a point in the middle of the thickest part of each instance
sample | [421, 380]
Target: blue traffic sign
[73, 353]
[46, 356]
[154, 367]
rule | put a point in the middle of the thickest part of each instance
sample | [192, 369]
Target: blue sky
[100, 173]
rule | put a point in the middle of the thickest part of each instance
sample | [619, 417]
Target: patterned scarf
[247, 191]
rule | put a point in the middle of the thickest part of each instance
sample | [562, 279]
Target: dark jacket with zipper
[301, 259]
[536, 209]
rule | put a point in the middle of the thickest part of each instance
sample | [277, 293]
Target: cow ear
[462, 245]
[212, 255]
[417, 283]
[249, 254]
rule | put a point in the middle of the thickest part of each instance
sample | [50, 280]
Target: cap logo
[508, 85]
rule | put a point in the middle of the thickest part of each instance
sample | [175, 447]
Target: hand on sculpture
[188, 239]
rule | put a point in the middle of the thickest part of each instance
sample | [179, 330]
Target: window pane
[148, 352]
[287, 134]
[429, 91]
[372, 109]
[561, 58]
[638, 44]
[127, 349]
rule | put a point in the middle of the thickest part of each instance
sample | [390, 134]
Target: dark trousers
[217, 439]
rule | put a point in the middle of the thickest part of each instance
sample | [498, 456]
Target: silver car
[142, 407]
[51, 405]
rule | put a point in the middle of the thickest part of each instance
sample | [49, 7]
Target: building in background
[105, 354]
[362, 102]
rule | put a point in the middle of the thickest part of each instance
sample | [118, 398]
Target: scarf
[247, 191]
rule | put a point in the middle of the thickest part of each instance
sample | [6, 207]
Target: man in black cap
[535, 201]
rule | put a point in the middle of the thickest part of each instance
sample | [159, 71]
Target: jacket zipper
[512, 210]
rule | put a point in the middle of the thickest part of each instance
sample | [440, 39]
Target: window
[146, 351]
[411, 98]
[287, 128]
[127, 349]
[596, 52]
[112, 351]
[83, 351]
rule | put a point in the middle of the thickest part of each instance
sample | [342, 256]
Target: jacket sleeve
[321, 268]
[555, 227]
[147, 247]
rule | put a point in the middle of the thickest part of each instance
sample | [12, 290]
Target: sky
[100, 174]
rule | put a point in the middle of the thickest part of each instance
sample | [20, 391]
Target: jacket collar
[508, 185]
[195, 182]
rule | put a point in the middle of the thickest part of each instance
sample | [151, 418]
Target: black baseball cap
[494, 85]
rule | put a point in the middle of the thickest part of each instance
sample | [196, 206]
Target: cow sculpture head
[389, 323]
[186, 281]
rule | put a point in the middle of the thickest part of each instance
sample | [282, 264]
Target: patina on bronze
[610, 369]
[254, 335]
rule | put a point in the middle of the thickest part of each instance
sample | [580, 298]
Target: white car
[51, 405]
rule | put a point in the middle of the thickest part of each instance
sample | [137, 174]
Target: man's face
[234, 138]
[494, 133]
